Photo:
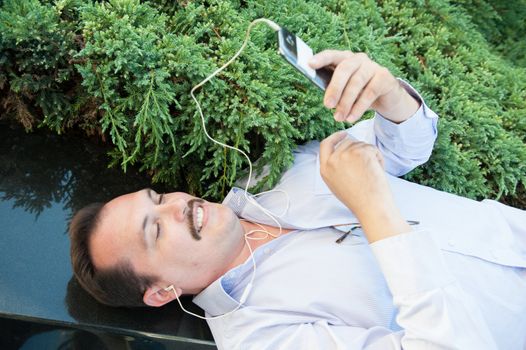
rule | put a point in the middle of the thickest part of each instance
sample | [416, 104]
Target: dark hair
[115, 286]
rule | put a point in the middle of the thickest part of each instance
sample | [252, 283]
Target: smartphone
[297, 53]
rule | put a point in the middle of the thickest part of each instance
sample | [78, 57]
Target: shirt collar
[245, 209]
[214, 299]
[237, 201]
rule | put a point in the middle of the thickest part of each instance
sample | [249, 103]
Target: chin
[228, 218]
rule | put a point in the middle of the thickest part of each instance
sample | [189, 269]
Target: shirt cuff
[411, 263]
[424, 118]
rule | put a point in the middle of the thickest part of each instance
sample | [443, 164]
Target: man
[455, 280]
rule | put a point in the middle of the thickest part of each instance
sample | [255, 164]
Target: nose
[173, 207]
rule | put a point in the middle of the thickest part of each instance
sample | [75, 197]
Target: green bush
[503, 24]
[38, 81]
[124, 69]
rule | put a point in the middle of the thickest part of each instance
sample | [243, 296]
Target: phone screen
[298, 53]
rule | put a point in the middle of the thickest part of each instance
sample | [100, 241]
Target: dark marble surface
[43, 180]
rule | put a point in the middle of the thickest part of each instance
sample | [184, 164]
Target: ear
[158, 296]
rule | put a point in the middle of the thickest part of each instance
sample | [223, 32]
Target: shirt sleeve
[433, 308]
[405, 145]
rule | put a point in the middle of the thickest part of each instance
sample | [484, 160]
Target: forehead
[118, 234]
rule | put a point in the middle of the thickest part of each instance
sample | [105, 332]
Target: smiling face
[182, 240]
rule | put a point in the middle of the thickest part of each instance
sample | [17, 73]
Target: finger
[374, 89]
[328, 57]
[348, 144]
[339, 81]
[375, 153]
[354, 89]
[343, 145]
[357, 145]
[327, 145]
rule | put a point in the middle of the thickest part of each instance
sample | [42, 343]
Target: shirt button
[451, 243]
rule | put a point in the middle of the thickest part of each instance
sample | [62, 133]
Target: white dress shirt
[457, 281]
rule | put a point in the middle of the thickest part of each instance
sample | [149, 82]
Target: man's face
[178, 238]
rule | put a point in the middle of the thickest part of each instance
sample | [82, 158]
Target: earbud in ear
[177, 291]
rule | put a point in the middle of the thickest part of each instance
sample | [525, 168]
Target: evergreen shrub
[36, 78]
[123, 69]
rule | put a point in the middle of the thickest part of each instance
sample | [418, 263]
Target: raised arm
[404, 128]
[434, 311]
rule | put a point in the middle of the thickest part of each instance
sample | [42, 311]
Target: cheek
[206, 257]
[191, 254]
[203, 270]
[208, 271]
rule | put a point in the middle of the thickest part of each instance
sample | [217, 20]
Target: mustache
[190, 217]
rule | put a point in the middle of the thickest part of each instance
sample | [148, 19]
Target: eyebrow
[149, 191]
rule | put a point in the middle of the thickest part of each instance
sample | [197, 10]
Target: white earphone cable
[251, 200]
[217, 71]
[243, 298]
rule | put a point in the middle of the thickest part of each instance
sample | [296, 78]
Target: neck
[261, 239]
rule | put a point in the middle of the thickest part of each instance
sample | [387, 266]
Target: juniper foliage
[123, 69]
[36, 77]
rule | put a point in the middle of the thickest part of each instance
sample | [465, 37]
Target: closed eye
[161, 197]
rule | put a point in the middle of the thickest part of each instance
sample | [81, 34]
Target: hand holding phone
[297, 53]
[355, 85]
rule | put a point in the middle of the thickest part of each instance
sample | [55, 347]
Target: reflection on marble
[43, 180]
